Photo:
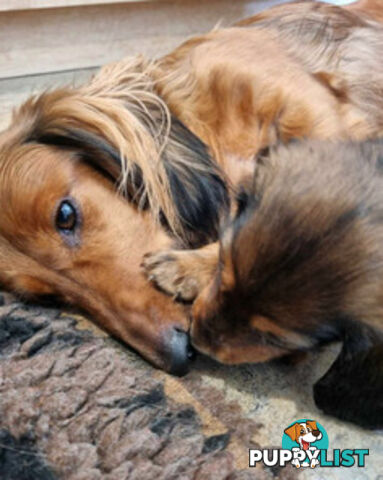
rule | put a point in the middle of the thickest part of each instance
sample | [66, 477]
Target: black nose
[316, 433]
[181, 353]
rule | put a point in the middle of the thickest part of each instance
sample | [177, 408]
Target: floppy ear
[97, 152]
[197, 185]
[312, 424]
[336, 85]
[352, 389]
[198, 191]
[93, 148]
[157, 160]
[292, 432]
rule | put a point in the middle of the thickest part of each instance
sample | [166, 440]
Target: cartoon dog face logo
[304, 433]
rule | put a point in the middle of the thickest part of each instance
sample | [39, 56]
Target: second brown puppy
[301, 265]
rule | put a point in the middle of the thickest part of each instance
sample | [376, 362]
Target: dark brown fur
[301, 265]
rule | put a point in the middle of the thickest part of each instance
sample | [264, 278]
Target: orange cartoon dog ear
[312, 424]
[293, 432]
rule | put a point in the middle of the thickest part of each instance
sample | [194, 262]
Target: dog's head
[304, 433]
[290, 258]
[66, 230]
[299, 267]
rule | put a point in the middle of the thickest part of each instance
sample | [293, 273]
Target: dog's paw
[296, 463]
[314, 462]
[168, 272]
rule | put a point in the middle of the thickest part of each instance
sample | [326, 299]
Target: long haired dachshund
[300, 265]
[176, 136]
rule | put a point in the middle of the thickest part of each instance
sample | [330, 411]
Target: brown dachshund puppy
[300, 265]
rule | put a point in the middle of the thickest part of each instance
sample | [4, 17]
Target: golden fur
[297, 70]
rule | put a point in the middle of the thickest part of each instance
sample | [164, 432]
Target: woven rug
[77, 405]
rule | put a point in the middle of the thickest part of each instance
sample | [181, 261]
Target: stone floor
[74, 404]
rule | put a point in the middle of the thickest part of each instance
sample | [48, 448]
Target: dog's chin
[226, 356]
[221, 355]
[203, 349]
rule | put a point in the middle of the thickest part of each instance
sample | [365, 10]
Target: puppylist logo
[305, 445]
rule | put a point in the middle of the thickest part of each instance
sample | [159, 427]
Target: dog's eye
[66, 217]
[302, 432]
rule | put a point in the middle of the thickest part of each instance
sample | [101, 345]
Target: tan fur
[182, 273]
[229, 101]
[372, 8]
[102, 274]
[294, 71]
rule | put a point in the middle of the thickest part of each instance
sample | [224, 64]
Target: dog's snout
[316, 433]
[181, 352]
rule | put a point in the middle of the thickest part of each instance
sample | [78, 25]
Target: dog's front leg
[352, 389]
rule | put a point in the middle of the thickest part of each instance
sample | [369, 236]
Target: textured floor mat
[76, 405]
